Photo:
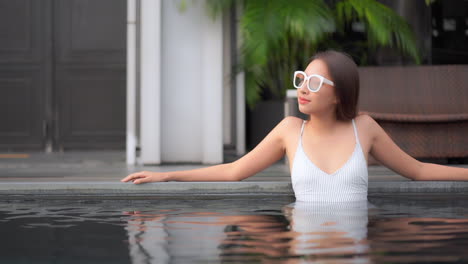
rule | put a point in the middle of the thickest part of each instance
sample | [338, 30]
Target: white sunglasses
[314, 81]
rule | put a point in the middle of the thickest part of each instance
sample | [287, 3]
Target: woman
[328, 153]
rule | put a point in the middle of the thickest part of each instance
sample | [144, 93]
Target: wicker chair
[424, 109]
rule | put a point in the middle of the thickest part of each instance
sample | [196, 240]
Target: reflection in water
[158, 237]
[147, 238]
[319, 230]
[331, 229]
[266, 230]
[419, 240]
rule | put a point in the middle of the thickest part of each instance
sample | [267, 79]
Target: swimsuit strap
[302, 128]
[355, 131]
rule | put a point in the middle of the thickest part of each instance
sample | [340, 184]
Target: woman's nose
[304, 89]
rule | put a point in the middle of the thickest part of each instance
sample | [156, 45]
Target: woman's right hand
[144, 177]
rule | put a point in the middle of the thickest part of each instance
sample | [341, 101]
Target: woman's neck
[323, 125]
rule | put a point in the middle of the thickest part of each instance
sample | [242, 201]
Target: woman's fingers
[128, 178]
[141, 180]
[134, 176]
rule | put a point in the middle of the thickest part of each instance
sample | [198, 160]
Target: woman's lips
[303, 100]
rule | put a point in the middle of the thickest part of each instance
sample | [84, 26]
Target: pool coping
[194, 189]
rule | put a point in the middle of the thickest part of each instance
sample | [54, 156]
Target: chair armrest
[418, 118]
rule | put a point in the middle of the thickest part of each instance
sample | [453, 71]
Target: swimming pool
[390, 229]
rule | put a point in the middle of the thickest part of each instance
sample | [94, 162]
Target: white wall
[191, 85]
[181, 84]
[150, 81]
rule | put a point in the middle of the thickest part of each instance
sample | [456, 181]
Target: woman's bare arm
[267, 152]
[212, 173]
[436, 172]
[389, 154]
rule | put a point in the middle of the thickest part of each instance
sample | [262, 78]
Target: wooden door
[62, 74]
[24, 68]
[90, 73]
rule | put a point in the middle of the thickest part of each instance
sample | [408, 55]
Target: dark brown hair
[345, 77]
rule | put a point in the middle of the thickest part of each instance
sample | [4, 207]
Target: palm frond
[384, 27]
[267, 28]
[217, 7]
[279, 36]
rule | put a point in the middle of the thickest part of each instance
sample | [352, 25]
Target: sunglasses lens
[299, 80]
[314, 83]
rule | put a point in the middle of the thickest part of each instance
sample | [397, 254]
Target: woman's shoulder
[289, 125]
[291, 121]
[365, 122]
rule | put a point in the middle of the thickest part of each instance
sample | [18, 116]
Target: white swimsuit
[311, 184]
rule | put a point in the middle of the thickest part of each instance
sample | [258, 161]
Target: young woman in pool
[328, 153]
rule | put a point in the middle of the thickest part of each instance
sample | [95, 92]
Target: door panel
[90, 73]
[21, 25]
[92, 108]
[23, 67]
[62, 74]
[91, 32]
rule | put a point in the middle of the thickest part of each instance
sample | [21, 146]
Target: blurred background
[203, 81]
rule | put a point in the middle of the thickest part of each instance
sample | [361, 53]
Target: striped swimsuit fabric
[311, 184]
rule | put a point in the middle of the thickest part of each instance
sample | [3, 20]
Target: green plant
[280, 36]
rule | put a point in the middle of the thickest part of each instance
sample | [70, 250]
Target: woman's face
[317, 102]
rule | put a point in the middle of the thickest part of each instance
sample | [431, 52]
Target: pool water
[398, 229]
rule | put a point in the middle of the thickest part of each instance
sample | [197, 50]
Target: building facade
[150, 76]
[140, 75]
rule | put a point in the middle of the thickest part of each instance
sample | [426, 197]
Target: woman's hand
[145, 176]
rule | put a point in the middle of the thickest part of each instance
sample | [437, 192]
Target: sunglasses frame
[322, 80]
